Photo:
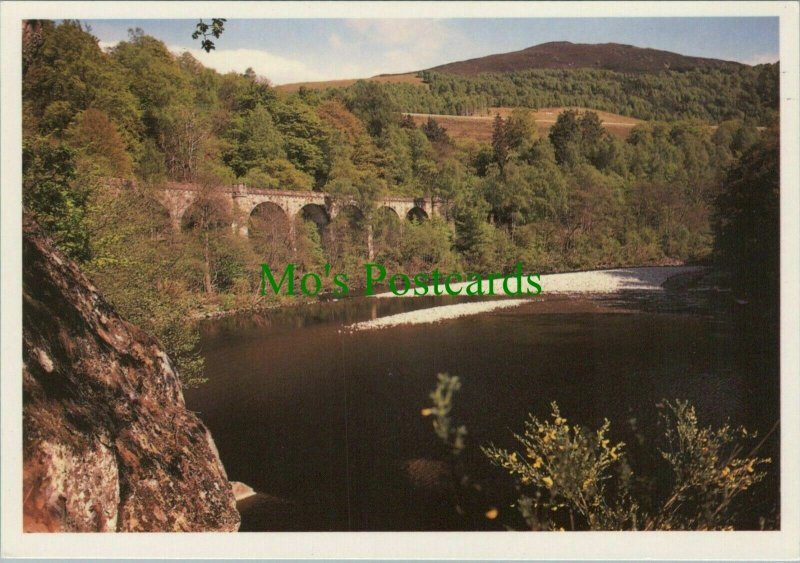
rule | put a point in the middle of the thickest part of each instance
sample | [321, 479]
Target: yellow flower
[513, 457]
[604, 443]
[538, 463]
[613, 453]
[726, 471]
[492, 513]
[587, 483]
[560, 421]
[750, 467]
[547, 481]
[426, 412]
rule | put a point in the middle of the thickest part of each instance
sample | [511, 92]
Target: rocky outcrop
[108, 442]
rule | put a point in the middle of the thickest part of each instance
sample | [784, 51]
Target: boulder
[108, 444]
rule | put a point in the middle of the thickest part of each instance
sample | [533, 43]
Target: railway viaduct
[322, 208]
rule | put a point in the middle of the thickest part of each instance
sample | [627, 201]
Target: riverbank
[436, 314]
[649, 278]
[645, 278]
[592, 282]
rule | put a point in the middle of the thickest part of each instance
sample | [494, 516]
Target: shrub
[578, 478]
[572, 471]
[442, 397]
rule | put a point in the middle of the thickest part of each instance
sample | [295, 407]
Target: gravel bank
[597, 281]
[436, 314]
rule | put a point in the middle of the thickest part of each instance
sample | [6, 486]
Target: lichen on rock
[108, 444]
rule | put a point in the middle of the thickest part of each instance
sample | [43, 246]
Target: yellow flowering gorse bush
[582, 479]
[569, 468]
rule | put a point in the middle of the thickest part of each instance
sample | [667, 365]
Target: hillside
[409, 78]
[566, 55]
[479, 127]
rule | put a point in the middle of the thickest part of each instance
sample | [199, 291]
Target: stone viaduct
[320, 207]
[177, 198]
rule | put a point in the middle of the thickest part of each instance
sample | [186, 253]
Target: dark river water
[325, 424]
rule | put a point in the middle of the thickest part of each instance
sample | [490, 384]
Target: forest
[575, 199]
[749, 93]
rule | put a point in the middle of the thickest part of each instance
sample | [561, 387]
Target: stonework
[178, 197]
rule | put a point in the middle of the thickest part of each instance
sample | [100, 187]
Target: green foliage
[68, 73]
[747, 222]
[142, 110]
[205, 31]
[254, 140]
[133, 262]
[99, 144]
[435, 132]
[428, 244]
[707, 470]
[570, 468]
[578, 478]
[577, 138]
[368, 101]
[56, 195]
[442, 396]
[711, 95]
[499, 142]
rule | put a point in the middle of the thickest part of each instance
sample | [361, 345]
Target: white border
[784, 544]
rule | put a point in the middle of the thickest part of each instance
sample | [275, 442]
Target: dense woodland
[578, 198]
[713, 95]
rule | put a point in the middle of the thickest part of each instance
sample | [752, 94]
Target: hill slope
[409, 78]
[566, 55]
[479, 127]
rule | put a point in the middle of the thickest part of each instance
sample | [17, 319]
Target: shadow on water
[326, 423]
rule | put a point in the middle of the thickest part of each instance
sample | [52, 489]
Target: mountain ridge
[567, 55]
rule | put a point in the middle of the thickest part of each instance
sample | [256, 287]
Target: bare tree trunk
[370, 244]
[207, 266]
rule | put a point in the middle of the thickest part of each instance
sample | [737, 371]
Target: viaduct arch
[177, 198]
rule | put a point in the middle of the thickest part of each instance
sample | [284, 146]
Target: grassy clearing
[479, 127]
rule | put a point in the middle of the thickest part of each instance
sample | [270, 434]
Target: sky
[298, 50]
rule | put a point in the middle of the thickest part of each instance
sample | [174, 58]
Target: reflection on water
[326, 423]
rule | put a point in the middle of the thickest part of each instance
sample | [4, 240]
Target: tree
[523, 193]
[135, 263]
[254, 139]
[207, 220]
[435, 132]
[577, 137]
[54, 193]
[370, 103]
[499, 141]
[336, 116]
[565, 137]
[68, 73]
[304, 137]
[747, 220]
[205, 30]
[520, 129]
[98, 142]
[182, 136]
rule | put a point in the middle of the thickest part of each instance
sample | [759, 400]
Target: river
[325, 423]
